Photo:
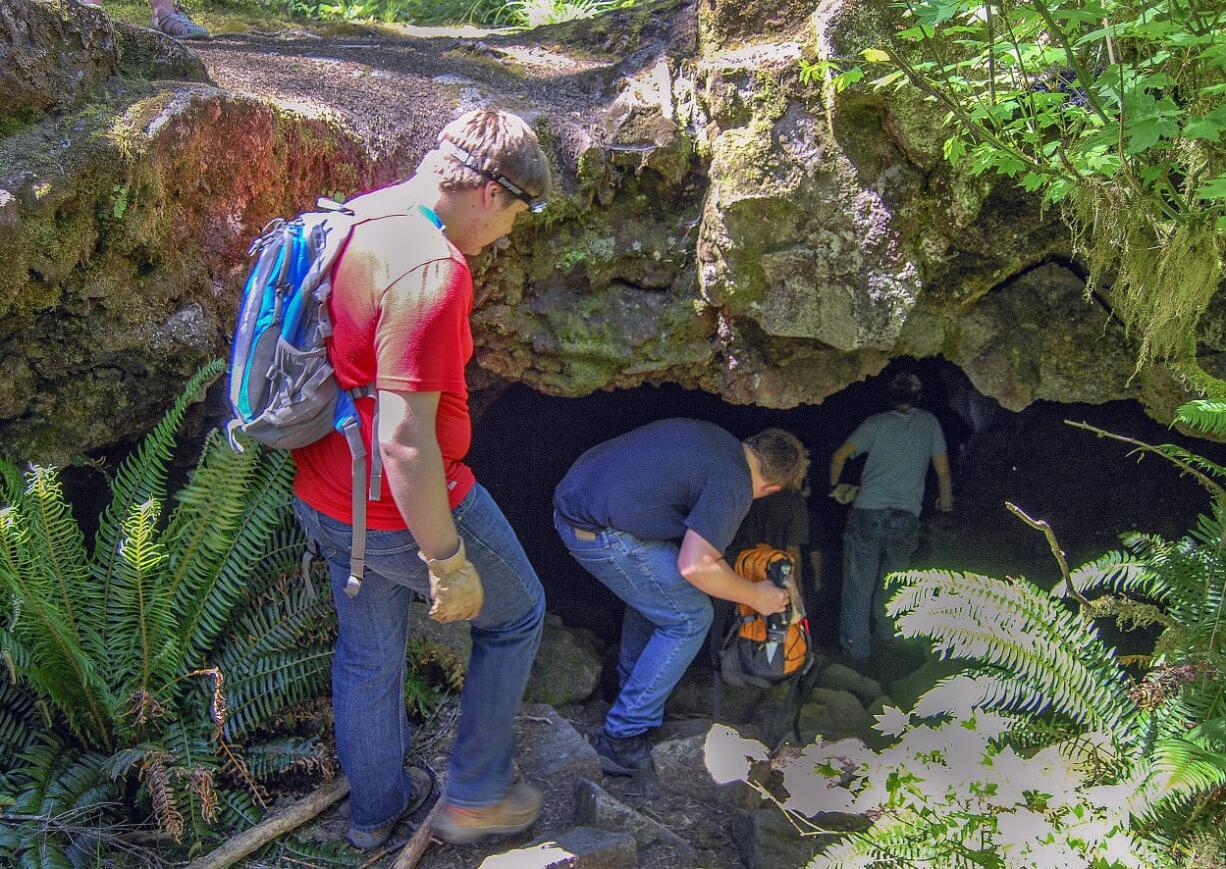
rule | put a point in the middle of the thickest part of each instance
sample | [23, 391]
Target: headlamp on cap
[470, 161]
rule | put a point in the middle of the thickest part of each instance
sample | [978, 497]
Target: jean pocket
[388, 544]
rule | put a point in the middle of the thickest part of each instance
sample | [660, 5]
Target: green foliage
[433, 675]
[495, 13]
[1115, 111]
[153, 657]
[54, 794]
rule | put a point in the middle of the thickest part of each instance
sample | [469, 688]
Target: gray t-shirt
[899, 446]
[659, 481]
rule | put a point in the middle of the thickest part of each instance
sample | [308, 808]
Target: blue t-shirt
[899, 446]
[659, 481]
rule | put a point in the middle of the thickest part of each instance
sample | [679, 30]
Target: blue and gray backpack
[282, 390]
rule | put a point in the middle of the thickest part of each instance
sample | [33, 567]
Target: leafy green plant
[155, 658]
[433, 675]
[1112, 110]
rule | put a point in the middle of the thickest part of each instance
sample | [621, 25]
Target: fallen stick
[420, 842]
[279, 822]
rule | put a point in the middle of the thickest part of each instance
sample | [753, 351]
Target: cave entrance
[1088, 489]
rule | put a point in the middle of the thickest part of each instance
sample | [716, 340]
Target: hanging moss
[1164, 272]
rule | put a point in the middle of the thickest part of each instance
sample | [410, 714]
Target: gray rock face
[767, 840]
[595, 807]
[567, 666]
[54, 54]
[681, 767]
[554, 749]
[832, 715]
[718, 223]
[580, 848]
[840, 678]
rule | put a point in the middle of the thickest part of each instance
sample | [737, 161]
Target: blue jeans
[368, 670]
[875, 543]
[664, 627]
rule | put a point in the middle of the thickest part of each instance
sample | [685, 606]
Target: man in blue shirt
[649, 514]
[883, 526]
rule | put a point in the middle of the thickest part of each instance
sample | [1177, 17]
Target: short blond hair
[502, 143]
[785, 461]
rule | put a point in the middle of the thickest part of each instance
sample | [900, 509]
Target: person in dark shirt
[649, 514]
[780, 521]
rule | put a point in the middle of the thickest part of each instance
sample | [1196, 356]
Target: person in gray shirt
[883, 527]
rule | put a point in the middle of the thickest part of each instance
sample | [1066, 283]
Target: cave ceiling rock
[600, 292]
[718, 223]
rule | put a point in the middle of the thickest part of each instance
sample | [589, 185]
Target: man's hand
[945, 503]
[455, 587]
[770, 598]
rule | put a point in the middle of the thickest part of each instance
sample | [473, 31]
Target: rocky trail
[675, 815]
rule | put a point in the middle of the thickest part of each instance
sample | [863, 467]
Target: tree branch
[1044, 526]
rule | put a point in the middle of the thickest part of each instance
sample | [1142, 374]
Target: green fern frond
[50, 779]
[1194, 460]
[895, 840]
[1113, 571]
[59, 666]
[271, 683]
[1204, 415]
[253, 533]
[190, 748]
[142, 621]
[285, 754]
[19, 722]
[237, 810]
[1015, 626]
[123, 762]
[1192, 769]
[142, 476]
[57, 549]
[1210, 530]
[12, 483]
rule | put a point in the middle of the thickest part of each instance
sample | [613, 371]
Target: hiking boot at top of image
[178, 24]
[514, 813]
[624, 756]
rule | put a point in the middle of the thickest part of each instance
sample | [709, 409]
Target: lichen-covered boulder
[567, 666]
[719, 222]
[125, 224]
[54, 54]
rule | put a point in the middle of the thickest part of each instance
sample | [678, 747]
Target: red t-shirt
[410, 335]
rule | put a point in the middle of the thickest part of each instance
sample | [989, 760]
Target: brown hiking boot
[513, 814]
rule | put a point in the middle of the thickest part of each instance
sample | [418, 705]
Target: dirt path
[394, 91]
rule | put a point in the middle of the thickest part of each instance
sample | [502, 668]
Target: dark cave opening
[1087, 487]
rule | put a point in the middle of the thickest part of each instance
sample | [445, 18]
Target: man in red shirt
[402, 294]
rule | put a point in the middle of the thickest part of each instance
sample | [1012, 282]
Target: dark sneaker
[622, 756]
[179, 25]
[515, 813]
[423, 786]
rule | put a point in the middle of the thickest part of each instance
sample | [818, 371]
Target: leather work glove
[455, 587]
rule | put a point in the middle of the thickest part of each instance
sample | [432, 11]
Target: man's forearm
[419, 487]
[719, 580]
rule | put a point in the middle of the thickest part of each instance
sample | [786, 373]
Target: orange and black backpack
[765, 651]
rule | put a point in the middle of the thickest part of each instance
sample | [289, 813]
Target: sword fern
[102, 649]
